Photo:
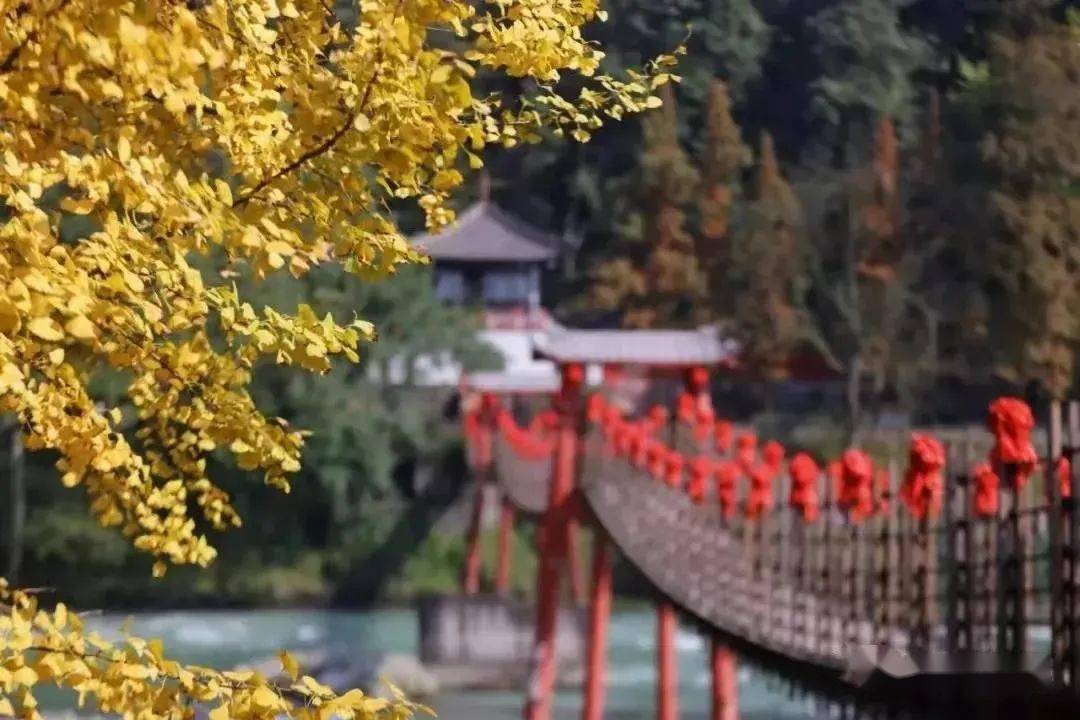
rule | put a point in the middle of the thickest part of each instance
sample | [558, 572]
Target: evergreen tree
[766, 271]
[724, 156]
[668, 288]
[1035, 69]
[869, 61]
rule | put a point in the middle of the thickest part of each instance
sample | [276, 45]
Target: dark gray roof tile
[486, 233]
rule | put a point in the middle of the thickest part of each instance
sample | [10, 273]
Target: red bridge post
[481, 472]
[573, 557]
[725, 684]
[599, 612]
[553, 543]
[667, 671]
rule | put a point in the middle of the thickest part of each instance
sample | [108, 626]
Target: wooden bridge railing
[984, 580]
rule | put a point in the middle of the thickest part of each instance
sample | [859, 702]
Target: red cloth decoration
[759, 500]
[526, 444]
[746, 450]
[921, 491]
[985, 496]
[639, 449]
[673, 467]
[726, 474]
[703, 424]
[804, 476]
[573, 374]
[697, 379]
[594, 408]
[697, 484]
[722, 434]
[685, 408]
[656, 457]
[656, 417]
[1063, 473]
[544, 421]
[856, 494]
[1011, 422]
[772, 454]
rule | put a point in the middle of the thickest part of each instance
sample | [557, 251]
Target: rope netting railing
[858, 554]
[815, 558]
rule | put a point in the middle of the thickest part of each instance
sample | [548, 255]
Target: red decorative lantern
[746, 450]
[772, 454]
[697, 484]
[697, 379]
[856, 494]
[722, 434]
[921, 491]
[703, 424]
[804, 476]
[985, 483]
[673, 467]
[594, 407]
[759, 499]
[656, 457]
[1011, 422]
[573, 375]
[726, 474]
[685, 409]
[656, 418]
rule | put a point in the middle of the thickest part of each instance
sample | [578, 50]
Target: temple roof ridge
[486, 232]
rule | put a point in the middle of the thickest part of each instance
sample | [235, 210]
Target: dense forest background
[886, 191]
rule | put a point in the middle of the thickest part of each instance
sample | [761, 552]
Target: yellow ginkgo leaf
[45, 328]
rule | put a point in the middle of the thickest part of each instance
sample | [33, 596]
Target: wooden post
[961, 564]
[552, 541]
[725, 682]
[506, 531]
[825, 614]
[1055, 517]
[925, 581]
[1011, 602]
[667, 670]
[599, 613]
[1071, 579]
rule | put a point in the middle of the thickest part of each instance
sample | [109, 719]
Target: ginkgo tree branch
[329, 143]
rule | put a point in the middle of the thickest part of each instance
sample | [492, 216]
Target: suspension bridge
[947, 585]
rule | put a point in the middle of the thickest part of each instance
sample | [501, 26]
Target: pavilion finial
[485, 186]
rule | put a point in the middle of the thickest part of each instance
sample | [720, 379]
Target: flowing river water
[228, 638]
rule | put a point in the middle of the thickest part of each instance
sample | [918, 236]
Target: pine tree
[668, 287]
[725, 154]
[1035, 66]
[766, 270]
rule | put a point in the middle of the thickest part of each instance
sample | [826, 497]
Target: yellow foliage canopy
[135, 678]
[262, 136]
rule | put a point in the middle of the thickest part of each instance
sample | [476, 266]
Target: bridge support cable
[599, 616]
